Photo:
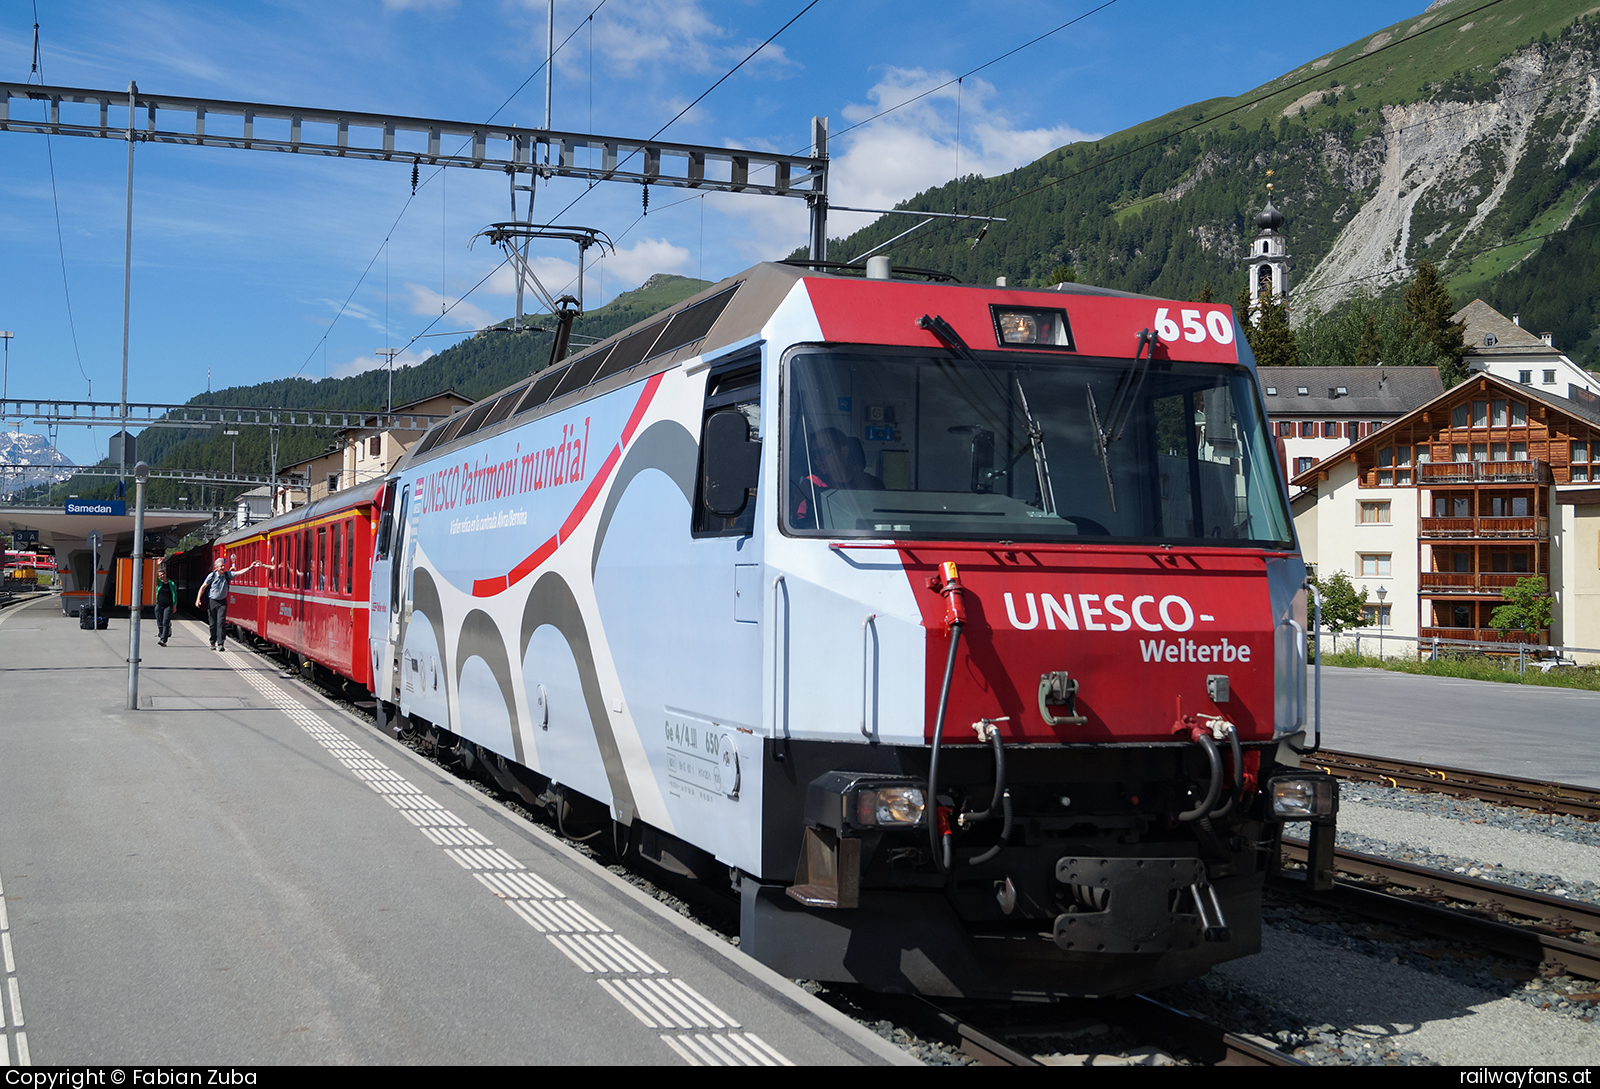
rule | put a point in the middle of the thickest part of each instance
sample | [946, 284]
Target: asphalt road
[1513, 729]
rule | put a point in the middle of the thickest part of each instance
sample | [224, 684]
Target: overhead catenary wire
[55, 198]
[321, 341]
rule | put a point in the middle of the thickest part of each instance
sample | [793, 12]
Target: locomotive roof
[326, 505]
[729, 311]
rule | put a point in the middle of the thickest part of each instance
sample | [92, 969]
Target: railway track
[1031, 1033]
[1562, 798]
[1546, 930]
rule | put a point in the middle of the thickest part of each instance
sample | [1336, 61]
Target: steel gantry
[257, 126]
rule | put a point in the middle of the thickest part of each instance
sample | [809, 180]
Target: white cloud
[914, 148]
[427, 302]
[362, 363]
[678, 34]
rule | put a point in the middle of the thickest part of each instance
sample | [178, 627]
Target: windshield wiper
[1041, 463]
[1121, 410]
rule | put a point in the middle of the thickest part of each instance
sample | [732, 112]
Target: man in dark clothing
[166, 601]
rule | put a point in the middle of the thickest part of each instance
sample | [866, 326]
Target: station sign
[115, 507]
[25, 538]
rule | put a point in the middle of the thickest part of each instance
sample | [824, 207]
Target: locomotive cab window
[730, 451]
[902, 443]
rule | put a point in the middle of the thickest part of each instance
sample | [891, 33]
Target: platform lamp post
[5, 377]
[233, 453]
[1382, 593]
[141, 473]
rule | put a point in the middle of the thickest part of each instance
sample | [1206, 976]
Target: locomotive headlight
[889, 806]
[1303, 796]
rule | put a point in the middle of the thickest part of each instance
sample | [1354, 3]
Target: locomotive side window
[386, 524]
[733, 394]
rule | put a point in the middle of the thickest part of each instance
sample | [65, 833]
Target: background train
[960, 631]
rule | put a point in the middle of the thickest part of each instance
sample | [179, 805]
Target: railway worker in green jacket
[166, 601]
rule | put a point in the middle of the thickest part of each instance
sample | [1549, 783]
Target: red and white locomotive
[960, 628]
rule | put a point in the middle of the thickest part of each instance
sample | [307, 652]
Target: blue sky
[244, 260]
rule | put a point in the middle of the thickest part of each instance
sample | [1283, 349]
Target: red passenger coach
[310, 592]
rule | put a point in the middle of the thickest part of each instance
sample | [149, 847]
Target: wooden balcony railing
[1467, 582]
[1483, 472]
[1488, 635]
[1486, 527]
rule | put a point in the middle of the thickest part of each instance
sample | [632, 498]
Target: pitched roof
[1484, 321]
[1371, 391]
[1381, 436]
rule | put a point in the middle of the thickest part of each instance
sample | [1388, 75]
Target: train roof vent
[540, 391]
[431, 439]
[580, 372]
[634, 349]
[695, 322]
[452, 429]
[503, 406]
[475, 419]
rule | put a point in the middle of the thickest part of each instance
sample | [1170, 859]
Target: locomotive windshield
[912, 444]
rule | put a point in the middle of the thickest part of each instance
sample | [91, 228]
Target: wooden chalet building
[1489, 482]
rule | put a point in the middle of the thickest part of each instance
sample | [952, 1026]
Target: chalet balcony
[1526, 528]
[1486, 635]
[1465, 582]
[1483, 472]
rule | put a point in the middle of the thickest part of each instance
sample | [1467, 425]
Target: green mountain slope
[1464, 136]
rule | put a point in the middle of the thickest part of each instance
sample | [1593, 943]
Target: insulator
[414, 172]
[645, 189]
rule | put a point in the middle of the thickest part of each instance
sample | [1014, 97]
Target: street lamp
[233, 453]
[141, 473]
[1382, 593]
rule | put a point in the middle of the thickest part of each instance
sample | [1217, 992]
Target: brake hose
[940, 850]
[1210, 749]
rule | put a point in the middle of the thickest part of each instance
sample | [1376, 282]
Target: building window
[333, 482]
[1272, 391]
[1458, 416]
[1519, 414]
[1497, 451]
[1375, 513]
[1375, 565]
[1394, 465]
[1519, 451]
[1302, 464]
[1305, 391]
[1525, 377]
[1330, 429]
[1498, 409]
[1580, 463]
[1286, 429]
[375, 445]
[1549, 378]
[1308, 430]
[1480, 414]
[1375, 616]
[1480, 451]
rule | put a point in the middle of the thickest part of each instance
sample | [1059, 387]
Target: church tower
[1268, 263]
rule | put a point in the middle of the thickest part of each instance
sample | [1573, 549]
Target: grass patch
[1474, 668]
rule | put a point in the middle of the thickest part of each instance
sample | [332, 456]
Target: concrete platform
[238, 872]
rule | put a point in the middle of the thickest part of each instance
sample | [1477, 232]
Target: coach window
[333, 572]
[732, 389]
[350, 556]
[322, 557]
